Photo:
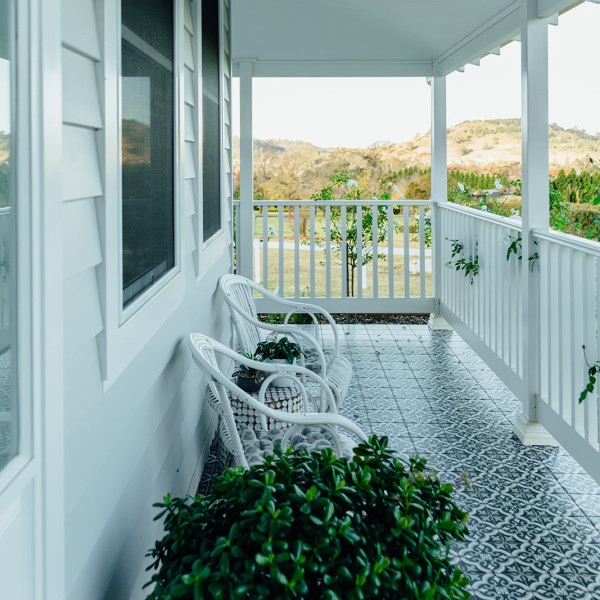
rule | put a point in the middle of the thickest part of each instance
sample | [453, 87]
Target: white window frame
[211, 249]
[127, 330]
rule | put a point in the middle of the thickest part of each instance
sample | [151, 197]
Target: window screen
[147, 143]
[211, 122]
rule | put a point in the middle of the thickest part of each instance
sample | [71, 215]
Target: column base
[531, 433]
[438, 323]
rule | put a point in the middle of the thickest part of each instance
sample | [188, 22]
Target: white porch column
[439, 188]
[245, 230]
[535, 210]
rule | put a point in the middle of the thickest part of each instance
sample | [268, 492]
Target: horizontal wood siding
[227, 121]
[193, 138]
[148, 432]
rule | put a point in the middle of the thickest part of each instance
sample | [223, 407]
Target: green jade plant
[314, 526]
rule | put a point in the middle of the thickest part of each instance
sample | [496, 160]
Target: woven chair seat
[258, 444]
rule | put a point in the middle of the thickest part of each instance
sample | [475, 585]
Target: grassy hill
[291, 169]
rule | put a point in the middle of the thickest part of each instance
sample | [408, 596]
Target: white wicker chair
[310, 430]
[327, 361]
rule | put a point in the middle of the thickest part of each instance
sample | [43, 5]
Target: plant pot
[280, 382]
[249, 384]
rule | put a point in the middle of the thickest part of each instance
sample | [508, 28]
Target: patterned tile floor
[534, 514]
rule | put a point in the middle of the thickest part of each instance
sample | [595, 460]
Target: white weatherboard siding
[145, 433]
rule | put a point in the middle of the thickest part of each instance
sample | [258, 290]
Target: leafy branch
[591, 384]
[516, 248]
[469, 265]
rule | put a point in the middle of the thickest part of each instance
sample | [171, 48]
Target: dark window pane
[211, 123]
[147, 96]
[8, 304]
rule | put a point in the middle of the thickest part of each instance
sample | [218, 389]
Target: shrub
[314, 526]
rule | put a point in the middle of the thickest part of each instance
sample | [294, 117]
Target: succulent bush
[314, 526]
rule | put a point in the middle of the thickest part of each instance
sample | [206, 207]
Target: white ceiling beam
[487, 38]
[338, 68]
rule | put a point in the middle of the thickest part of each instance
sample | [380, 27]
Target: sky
[360, 112]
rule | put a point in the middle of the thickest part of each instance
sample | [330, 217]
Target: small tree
[342, 187]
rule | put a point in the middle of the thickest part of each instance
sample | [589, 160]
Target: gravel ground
[369, 319]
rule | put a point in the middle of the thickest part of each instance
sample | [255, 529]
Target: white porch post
[245, 230]
[535, 210]
[439, 189]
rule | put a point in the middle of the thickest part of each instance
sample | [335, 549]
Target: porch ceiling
[356, 38]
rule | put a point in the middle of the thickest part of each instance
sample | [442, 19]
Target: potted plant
[314, 525]
[282, 351]
[249, 378]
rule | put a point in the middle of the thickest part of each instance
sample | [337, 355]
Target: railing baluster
[520, 265]
[589, 324]
[359, 251]
[281, 252]
[296, 251]
[577, 338]
[312, 251]
[561, 336]
[595, 397]
[265, 246]
[511, 315]
[344, 255]
[422, 251]
[406, 213]
[568, 319]
[375, 229]
[542, 250]
[390, 226]
[328, 251]
[556, 317]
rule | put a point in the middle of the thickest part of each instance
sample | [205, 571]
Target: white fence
[569, 315]
[347, 256]
[488, 309]
[488, 314]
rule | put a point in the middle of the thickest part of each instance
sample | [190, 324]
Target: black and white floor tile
[534, 513]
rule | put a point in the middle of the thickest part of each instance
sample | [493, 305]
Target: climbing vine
[469, 265]
[591, 384]
[516, 248]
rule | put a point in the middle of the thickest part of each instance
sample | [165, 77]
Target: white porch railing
[569, 318]
[325, 251]
[488, 315]
[490, 306]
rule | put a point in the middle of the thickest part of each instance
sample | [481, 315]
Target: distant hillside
[293, 169]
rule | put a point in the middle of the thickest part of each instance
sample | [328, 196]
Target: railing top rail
[568, 240]
[365, 202]
[507, 222]
[4, 210]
